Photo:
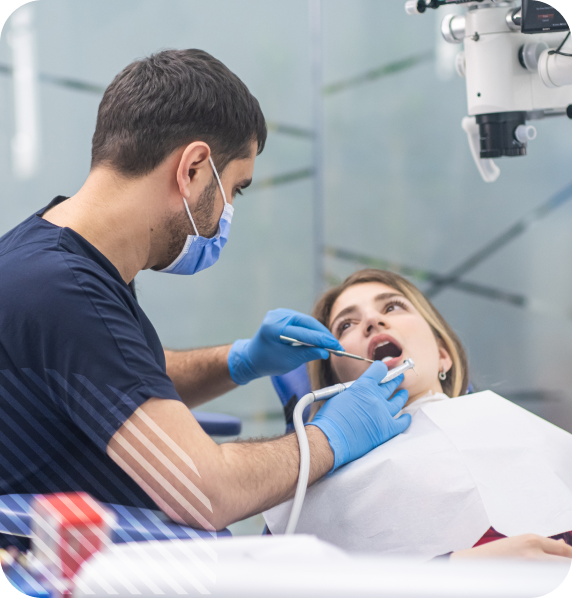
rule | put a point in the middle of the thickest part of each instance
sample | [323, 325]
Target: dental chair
[290, 388]
[132, 525]
[218, 424]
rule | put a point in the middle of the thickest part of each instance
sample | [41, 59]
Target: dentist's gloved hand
[361, 418]
[267, 355]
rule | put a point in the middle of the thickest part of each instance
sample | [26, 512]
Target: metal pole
[316, 61]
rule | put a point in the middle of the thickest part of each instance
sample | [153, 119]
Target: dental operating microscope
[517, 63]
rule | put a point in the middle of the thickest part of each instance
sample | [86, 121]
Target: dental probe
[320, 395]
[297, 343]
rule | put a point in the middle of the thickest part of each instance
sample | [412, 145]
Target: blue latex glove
[267, 355]
[361, 418]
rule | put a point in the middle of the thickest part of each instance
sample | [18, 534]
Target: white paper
[463, 466]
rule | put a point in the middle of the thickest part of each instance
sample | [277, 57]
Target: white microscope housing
[517, 69]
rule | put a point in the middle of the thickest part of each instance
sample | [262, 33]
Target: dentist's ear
[194, 171]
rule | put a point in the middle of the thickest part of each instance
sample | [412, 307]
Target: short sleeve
[91, 350]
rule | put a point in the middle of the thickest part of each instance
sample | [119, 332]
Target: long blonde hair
[457, 381]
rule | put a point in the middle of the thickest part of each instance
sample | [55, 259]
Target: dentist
[89, 400]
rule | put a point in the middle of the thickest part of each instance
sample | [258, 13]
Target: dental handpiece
[336, 389]
[311, 397]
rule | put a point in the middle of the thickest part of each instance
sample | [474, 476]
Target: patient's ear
[445, 360]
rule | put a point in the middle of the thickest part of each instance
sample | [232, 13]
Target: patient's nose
[375, 323]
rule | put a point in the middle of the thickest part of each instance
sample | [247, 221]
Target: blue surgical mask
[200, 253]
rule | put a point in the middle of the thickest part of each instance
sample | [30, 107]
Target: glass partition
[401, 190]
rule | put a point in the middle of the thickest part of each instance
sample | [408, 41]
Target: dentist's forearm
[199, 375]
[202, 484]
[259, 475]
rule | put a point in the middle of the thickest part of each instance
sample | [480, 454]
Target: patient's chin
[347, 370]
[411, 385]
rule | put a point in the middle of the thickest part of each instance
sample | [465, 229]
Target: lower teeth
[386, 359]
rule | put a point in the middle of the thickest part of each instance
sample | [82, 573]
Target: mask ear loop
[189, 213]
[221, 190]
[218, 180]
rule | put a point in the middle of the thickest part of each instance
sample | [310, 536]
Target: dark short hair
[168, 100]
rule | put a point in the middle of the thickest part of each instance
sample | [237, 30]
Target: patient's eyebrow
[351, 308]
[386, 296]
[344, 312]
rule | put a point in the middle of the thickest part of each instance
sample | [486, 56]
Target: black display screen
[538, 17]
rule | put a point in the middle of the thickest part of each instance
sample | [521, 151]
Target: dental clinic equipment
[517, 62]
[320, 395]
[296, 343]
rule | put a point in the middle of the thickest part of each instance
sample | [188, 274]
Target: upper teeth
[382, 344]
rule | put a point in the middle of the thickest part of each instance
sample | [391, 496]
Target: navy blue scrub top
[77, 357]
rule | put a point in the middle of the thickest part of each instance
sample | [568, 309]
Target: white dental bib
[463, 466]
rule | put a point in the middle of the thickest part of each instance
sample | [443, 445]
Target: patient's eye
[342, 327]
[395, 304]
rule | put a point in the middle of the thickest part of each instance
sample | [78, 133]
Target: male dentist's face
[207, 212]
[376, 321]
[236, 176]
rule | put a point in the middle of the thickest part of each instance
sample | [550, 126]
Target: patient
[382, 316]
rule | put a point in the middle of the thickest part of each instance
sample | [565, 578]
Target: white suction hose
[320, 395]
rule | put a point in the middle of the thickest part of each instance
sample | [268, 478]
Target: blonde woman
[382, 316]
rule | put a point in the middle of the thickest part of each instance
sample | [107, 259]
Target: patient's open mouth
[386, 351]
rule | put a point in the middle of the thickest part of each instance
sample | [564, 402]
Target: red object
[67, 528]
[490, 536]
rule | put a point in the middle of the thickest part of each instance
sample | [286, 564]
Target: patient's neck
[413, 396]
